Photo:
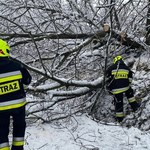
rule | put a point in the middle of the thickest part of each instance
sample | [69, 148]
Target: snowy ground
[85, 134]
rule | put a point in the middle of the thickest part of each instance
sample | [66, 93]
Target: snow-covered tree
[68, 44]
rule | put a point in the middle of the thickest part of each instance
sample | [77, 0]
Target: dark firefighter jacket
[119, 77]
[12, 78]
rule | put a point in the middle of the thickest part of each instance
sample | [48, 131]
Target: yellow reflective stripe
[131, 100]
[120, 90]
[18, 143]
[12, 106]
[14, 75]
[5, 148]
[5, 79]
[120, 74]
[119, 114]
[9, 87]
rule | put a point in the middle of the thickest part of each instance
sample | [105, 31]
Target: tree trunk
[148, 25]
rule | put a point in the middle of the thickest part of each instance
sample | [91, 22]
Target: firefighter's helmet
[117, 58]
[4, 49]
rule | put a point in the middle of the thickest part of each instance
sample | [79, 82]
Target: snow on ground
[84, 134]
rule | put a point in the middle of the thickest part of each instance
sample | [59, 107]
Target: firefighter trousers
[118, 101]
[18, 128]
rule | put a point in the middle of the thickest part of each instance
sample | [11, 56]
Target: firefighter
[119, 78]
[13, 77]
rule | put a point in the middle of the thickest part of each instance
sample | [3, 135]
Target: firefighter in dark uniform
[13, 77]
[119, 78]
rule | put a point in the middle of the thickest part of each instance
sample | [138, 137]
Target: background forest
[67, 46]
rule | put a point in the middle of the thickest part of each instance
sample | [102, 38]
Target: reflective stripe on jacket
[18, 141]
[120, 90]
[4, 146]
[12, 104]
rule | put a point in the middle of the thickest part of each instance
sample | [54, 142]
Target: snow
[82, 133]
